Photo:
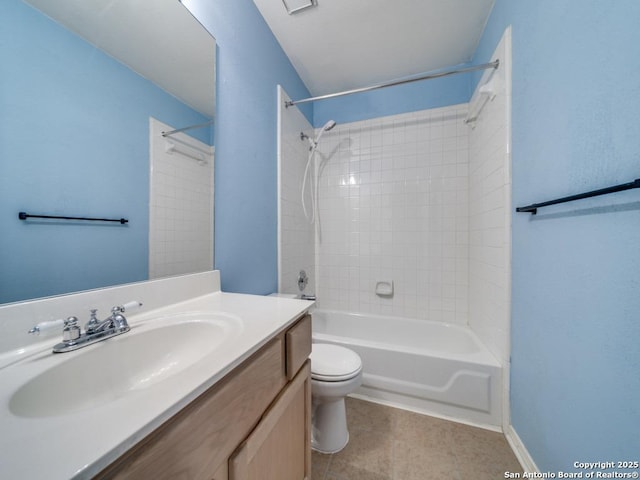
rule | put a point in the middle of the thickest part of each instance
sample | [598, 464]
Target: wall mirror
[80, 82]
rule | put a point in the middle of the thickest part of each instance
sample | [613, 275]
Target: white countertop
[81, 444]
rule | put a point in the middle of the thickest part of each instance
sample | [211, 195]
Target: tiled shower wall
[419, 199]
[394, 205]
[490, 213]
[296, 235]
[180, 207]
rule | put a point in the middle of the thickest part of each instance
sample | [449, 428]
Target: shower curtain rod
[184, 129]
[426, 76]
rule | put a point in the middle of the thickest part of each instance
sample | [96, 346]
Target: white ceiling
[343, 44]
[159, 39]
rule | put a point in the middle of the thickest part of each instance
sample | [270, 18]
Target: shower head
[329, 125]
[325, 128]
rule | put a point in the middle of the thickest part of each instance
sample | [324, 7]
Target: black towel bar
[533, 208]
[24, 216]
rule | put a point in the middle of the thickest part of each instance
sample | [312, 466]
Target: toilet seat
[332, 363]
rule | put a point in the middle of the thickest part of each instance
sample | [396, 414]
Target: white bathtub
[437, 368]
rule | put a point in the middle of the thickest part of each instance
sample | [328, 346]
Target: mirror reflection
[85, 86]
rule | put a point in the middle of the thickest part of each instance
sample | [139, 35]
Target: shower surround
[422, 200]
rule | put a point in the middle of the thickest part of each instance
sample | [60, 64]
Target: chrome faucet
[114, 322]
[95, 330]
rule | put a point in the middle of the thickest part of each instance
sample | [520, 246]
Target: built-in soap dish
[384, 288]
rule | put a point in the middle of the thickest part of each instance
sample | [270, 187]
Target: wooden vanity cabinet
[253, 424]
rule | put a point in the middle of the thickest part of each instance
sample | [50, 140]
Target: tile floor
[392, 444]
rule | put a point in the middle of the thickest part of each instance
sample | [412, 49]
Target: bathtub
[431, 367]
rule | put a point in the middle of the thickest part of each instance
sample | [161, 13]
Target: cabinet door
[279, 448]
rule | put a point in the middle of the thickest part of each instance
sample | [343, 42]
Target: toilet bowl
[335, 372]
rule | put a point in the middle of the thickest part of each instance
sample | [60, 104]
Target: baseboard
[520, 451]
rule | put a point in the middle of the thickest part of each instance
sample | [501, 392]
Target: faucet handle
[47, 326]
[71, 331]
[129, 306]
[93, 321]
[118, 320]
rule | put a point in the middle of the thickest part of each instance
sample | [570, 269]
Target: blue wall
[74, 140]
[250, 66]
[575, 375]
[410, 97]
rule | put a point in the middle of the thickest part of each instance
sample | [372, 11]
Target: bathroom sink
[105, 372]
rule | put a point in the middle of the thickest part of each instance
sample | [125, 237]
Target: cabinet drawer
[298, 345]
[194, 443]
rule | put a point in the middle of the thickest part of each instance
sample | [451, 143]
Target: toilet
[335, 372]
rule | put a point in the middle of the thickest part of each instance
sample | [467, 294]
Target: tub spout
[308, 297]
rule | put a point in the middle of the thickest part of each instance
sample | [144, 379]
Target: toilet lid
[333, 363]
